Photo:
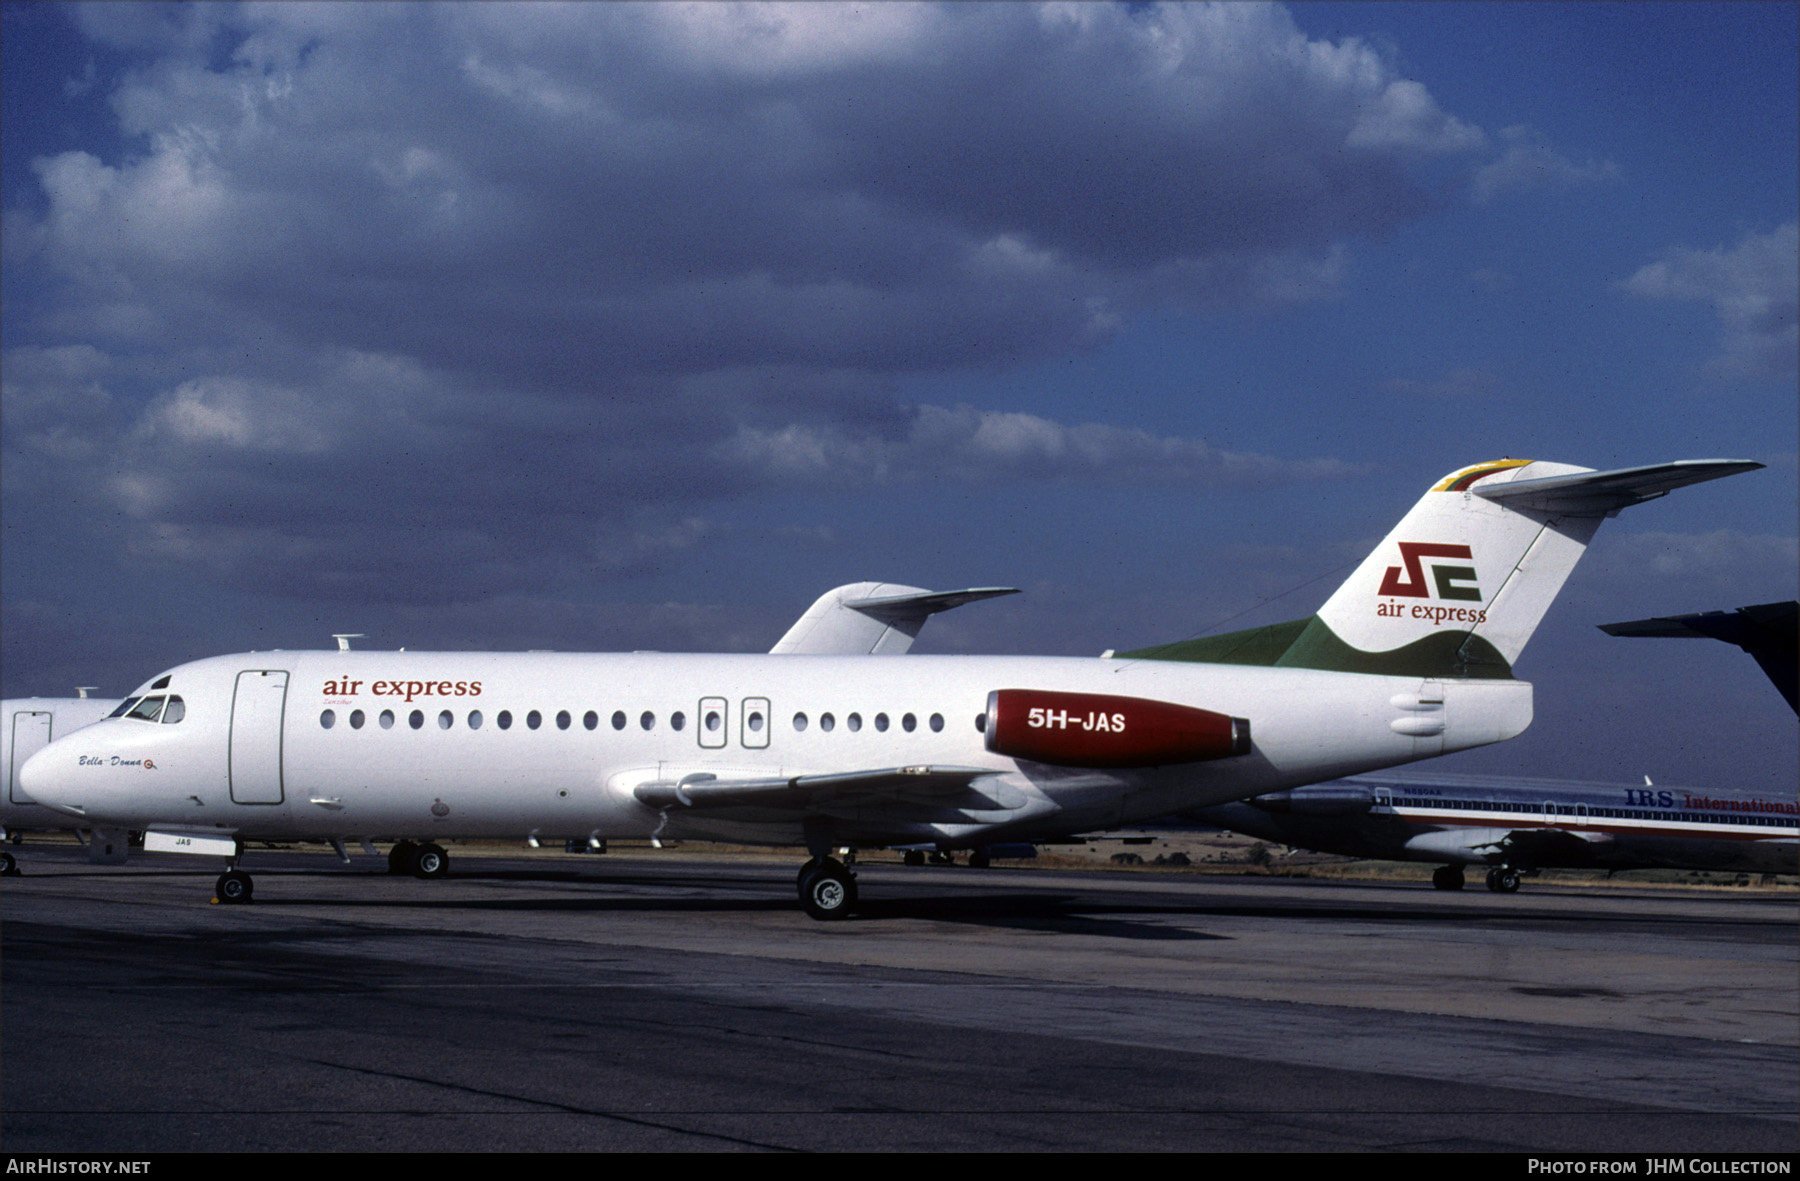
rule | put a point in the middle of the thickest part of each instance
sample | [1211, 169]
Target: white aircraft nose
[48, 778]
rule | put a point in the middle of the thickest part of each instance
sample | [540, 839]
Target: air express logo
[1409, 581]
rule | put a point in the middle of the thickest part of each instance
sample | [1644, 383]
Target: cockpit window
[162, 682]
[147, 708]
[124, 707]
[174, 711]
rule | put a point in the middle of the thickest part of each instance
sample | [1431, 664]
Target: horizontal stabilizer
[918, 606]
[1767, 631]
[1601, 494]
[924, 785]
[872, 618]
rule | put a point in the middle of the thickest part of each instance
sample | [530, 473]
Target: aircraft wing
[933, 786]
[872, 618]
[1527, 846]
[1594, 494]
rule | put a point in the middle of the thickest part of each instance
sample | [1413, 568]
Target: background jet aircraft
[1514, 825]
[27, 725]
[1768, 632]
[872, 618]
[1522, 825]
[1411, 657]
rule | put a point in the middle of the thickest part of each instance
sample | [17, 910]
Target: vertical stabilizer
[1464, 579]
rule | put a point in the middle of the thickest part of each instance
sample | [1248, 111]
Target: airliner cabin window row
[172, 709]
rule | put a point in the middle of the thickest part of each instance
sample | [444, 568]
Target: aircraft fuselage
[323, 745]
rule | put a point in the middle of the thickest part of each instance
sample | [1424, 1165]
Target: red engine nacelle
[1098, 730]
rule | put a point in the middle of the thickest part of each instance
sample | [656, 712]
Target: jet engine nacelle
[1100, 730]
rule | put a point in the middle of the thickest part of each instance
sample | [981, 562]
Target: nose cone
[49, 778]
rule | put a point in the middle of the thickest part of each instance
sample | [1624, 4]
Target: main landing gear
[827, 888]
[1502, 879]
[420, 860]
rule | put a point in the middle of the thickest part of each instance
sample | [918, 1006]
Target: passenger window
[328, 719]
[648, 721]
[474, 719]
[981, 723]
[504, 719]
[827, 723]
[356, 719]
[909, 723]
[881, 723]
[445, 719]
[534, 719]
[937, 723]
[387, 719]
[800, 722]
[416, 719]
[563, 719]
[713, 721]
[174, 711]
[755, 721]
[618, 719]
[677, 720]
[590, 719]
[854, 721]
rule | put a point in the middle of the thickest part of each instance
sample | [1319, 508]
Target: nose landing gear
[233, 888]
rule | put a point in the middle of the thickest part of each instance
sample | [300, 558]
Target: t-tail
[1464, 579]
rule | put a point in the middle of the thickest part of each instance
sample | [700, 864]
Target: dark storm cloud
[497, 285]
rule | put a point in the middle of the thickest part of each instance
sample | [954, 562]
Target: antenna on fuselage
[82, 690]
[344, 638]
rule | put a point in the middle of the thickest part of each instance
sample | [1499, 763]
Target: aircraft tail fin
[1459, 585]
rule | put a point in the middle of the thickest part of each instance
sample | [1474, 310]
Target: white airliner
[1513, 826]
[27, 725]
[1412, 657]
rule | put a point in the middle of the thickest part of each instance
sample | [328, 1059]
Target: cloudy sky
[611, 326]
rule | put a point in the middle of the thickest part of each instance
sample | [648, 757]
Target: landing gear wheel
[829, 891]
[1447, 877]
[979, 859]
[1503, 879]
[915, 857]
[233, 888]
[9, 865]
[430, 861]
[400, 857]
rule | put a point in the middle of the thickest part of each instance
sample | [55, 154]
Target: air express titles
[1448, 580]
[404, 689]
